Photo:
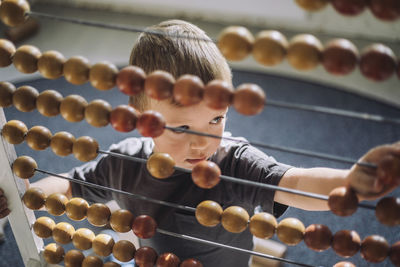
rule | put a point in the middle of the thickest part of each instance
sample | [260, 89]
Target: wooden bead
[63, 233]
[130, 80]
[374, 248]
[53, 253]
[43, 227]
[61, 143]
[340, 57]
[123, 118]
[151, 124]
[24, 98]
[343, 201]
[387, 10]
[92, 261]
[144, 226]
[103, 245]
[159, 85]
[76, 70]
[208, 213]
[160, 165]
[304, 52]
[34, 198]
[38, 138]
[103, 75]
[344, 264]
[7, 50]
[48, 103]
[235, 219]
[249, 99]
[263, 225]
[97, 113]
[121, 221]
[145, 256]
[191, 263]
[235, 43]
[55, 204]
[394, 254]
[318, 237]
[83, 238]
[50, 64]
[168, 260]
[206, 174]
[76, 208]
[349, 7]
[13, 12]
[377, 62]
[25, 58]
[14, 132]
[387, 211]
[218, 94]
[111, 264]
[290, 231]
[270, 48]
[73, 258]
[72, 108]
[85, 148]
[388, 171]
[124, 250]
[24, 167]
[188, 90]
[312, 5]
[6, 93]
[98, 214]
[346, 243]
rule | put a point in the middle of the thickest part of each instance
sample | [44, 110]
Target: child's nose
[198, 142]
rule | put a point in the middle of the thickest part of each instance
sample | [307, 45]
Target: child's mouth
[195, 161]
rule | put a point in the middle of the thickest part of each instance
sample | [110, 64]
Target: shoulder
[134, 146]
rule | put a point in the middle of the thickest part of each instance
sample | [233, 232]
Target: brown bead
[344, 264]
[218, 94]
[159, 85]
[76, 208]
[206, 174]
[235, 42]
[249, 99]
[270, 48]
[25, 58]
[72, 108]
[76, 70]
[263, 225]
[24, 98]
[14, 132]
[103, 75]
[61, 143]
[346, 243]
[92, 261]
[111, 264]
[349, 7]
[85, 148]
[318, 237]
[340, 57]
[377, 62]
[13, 12]
[304, 52]
[387, 211]
[55, 204]
[394, 254]
[235, 219]
[48, 103]
[7, 50]
[98, 214]
[50, 64]
[144, 226]
[34, 198]
[151, 124]
[168, 260]
[312, 5]
[343, 201]
[6, 93]
[83, 238]
[124, 250]
[123, 118]
[290, 231]
[191, 263]
[188, 90]
[160, 165]
[374, 248]
[387, 10]
[103, 245]
[43, 227]
[63, 233]
[53, 253]
[208, 213]
[145, 256]
[121, 220]
[24, 167]
[73, 258]
[97, 113]
[130, 80]
[38, 138]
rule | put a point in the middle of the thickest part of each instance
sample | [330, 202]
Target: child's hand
[371, 183]
[4, 211]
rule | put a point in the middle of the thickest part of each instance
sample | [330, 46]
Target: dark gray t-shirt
[234, 159]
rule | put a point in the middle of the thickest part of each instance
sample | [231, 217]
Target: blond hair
[196, 55]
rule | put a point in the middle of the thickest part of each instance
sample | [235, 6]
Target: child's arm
[51, 185]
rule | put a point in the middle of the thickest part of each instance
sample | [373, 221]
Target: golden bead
[53, 253]
[76, 70]
[63, 233]
[83, 238]
[208, 213]
[160, 165]
[235, 42]
[304, 52]
[34, 198]
[85, 148]
[61, 143]
[121, 221]
[43, 227]
[6, 93]
[92, 261]
[14, 132]
[25, 58]
[13, 12]
[98, 214]
[263, 225]
[7, 50]
[72, 108]
[50, 64]
[76, 208]
[235, 219]
[103, 75]
[97, 113]
[270, 48]
[290, 231]
[24, 98]
[38, 138]
[124, 250]
[48, 103]
[55, 204]
[24, 167]
[103, 245]
[312, 5]
[73, 258]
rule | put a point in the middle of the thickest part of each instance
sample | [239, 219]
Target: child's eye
[217, 120]
[183, 127]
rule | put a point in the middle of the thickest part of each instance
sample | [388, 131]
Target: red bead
[394, 254]
[340, 57]
[145, 256]
[346, 243]
[123, 118]
[144, 226]
[343, 201]
[191, 263]
[206, 174]
[188, 90]
[387, 211]
[151, 124]
[349, 7]
[318, 237]
[385, 9]
[168, 260]
[249, 99]
[130, 80]
[218, 94]
[377, 62]
[159, 85]
[374, 248]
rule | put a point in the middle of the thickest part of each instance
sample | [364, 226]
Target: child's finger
[4, 213]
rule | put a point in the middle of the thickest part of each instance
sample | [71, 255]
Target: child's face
[187, 149]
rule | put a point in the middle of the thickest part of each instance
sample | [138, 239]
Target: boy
[187, 56]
